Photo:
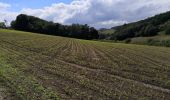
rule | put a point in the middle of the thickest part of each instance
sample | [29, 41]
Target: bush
[165, 43]
[128, 40]
[151, 42]
[167, 31]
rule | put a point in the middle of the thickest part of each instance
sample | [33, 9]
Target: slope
[145, 28]
[38, 66]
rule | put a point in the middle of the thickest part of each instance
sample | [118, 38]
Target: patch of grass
[161, 40]
[165, 43]
[26, 87]
[107, 31]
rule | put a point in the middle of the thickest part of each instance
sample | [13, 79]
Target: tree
[13, 24]
[22, 22]
[6, 22]
[2, 25]
[94, 33]
[150, 30]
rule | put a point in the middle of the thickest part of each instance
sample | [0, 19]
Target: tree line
[33, 24]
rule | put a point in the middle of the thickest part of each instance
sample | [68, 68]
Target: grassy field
[107, 31]
[159, 40]
[34, 66]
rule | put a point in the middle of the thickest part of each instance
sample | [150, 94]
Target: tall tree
[34, 24]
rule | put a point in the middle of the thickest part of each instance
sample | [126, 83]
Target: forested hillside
[144, 28]
[34, 24]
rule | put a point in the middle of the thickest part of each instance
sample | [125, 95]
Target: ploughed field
[34, 66]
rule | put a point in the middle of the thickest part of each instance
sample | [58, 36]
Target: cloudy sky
[97, 13]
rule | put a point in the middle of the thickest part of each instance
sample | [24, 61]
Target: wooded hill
[145, 28]
[34, 24]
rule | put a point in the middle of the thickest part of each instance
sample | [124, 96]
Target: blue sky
[97, 13]
[17, 5]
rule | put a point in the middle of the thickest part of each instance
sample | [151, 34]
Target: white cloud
[58, 12]
[98, 13]
[109, 23]
[9, 16]
[4, 6]
[5, 14]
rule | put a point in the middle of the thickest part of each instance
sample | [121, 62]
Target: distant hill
[145, 28]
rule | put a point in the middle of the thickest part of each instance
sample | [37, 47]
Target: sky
[96, 13]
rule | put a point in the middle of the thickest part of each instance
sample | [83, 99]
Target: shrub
[128, 40]
[167, 31]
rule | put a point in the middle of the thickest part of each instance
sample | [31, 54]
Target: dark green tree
[167, 31]
[34, 24]
[2, 25]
